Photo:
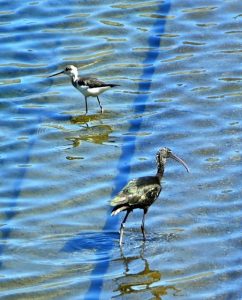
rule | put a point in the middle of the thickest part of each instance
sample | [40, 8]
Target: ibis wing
[148, 195]
[138, 192]
[127, 192]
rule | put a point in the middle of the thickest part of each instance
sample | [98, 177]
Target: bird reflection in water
[84, 119]
[143, 282]
[97, 134]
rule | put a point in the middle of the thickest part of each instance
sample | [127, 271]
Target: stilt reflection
[96, 133]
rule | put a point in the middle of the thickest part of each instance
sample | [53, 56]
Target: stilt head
[69, 70]
[165, 153]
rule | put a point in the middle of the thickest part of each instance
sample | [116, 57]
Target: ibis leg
[86, 105]
[122, 227]
[100, 104]
[143, 224]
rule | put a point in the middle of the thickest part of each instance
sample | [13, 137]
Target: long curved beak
[56, 74]
[180, 161]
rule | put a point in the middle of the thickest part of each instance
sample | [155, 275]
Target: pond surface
[178, 64]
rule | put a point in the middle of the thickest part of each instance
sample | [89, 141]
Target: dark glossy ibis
[143, 191]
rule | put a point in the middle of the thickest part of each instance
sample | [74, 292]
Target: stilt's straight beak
[56, 74]
[180, 161]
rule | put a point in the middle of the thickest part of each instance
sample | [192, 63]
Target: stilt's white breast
[97, 90]
[93, 92]
[83, 89]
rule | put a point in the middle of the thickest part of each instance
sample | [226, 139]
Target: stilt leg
[122, 227]
[100, 104]
[143, 224]
[86, 105]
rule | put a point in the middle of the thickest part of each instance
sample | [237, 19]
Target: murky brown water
[179, 67]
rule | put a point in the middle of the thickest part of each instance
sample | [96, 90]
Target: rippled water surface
[178, 64]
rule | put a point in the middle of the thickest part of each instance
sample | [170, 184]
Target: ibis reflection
[147, 282]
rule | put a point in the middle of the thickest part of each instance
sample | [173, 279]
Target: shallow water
[178, 64]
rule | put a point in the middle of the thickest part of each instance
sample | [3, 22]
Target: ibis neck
[160, 171]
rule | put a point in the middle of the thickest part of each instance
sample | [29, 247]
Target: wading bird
[88, 86]
[143, 191]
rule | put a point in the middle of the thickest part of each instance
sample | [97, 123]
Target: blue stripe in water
[128, 150]
[10, 213]
[5, 231]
